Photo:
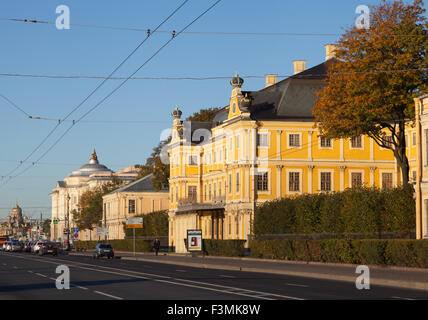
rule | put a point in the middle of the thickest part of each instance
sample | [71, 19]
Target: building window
[230, 183]
[193, 160]
[294, 140]
[237, 182]
[210, 191]
[234, 108]
[237, 225]
[294, 181]
[388, 141]
[386, 180]
[238, 138]
[262, 181]
[325, 142]
[414, 139]
[356, 142]
[356, 179]
[191, 193]
[325, 181]
[131, 206]
[414, 175]
[215, 191]
[205, 192]
[176, 193]
[231, 144]
[263, 139]
[172, 194]
[219, 188]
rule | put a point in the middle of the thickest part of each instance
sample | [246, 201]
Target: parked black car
[103, 250]
[48, 248]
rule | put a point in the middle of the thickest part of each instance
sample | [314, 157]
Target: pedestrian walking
[156, 245]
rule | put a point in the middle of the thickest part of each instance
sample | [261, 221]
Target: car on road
[103, 250]
[48, 248]
[27, 247]
[15, 246]
[7, 246]
[35, 248]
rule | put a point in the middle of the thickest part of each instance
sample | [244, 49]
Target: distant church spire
[94, 157]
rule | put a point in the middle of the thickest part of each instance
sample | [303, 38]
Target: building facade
[136, 198]
[65, 196]
[421, 114]
[263, 146]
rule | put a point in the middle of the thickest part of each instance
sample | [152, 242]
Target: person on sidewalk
[156, 245]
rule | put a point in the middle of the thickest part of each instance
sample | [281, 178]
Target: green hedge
[154, 224]
[229, 248]
[360, 210]
[397, 252]
[118, 245]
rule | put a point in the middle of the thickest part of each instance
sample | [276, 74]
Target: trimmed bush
[231, 248]
[397, 252]
[118, 245]
[359, 210]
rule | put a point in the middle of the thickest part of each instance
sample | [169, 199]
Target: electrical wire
[239, 33]
[112, 92]
[96, 89]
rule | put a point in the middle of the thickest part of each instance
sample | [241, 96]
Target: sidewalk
[411, 278]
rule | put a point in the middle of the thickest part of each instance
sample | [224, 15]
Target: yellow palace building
[263, 146]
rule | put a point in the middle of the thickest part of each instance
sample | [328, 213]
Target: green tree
[154, 163]
[90, 207]
[371, 86]
[46, 227]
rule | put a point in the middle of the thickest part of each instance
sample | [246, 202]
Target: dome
[90, 168]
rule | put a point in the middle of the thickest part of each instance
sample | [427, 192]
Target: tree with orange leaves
[377, 73]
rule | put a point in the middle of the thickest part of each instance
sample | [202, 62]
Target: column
[310, 182]
[310, 145]
[278, 181]
[342, 177]
[372, 176]
[278, 140]
[342, 158]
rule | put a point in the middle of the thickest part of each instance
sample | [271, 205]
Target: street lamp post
[68, 222]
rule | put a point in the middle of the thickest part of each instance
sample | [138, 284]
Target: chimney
[270, 79]
[299, 66]
[330, 51]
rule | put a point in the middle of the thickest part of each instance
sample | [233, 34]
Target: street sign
[102, 231]
[194, 240]
[134, 223]
[55, 221]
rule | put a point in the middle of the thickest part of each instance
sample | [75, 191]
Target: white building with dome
[65, 196]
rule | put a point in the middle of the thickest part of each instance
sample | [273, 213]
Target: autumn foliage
[376, 74]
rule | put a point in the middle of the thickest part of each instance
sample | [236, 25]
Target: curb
[373, 281]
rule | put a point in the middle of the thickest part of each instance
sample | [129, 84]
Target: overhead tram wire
[112, 92]
[200, 78]
[96, 89]
[240, 33]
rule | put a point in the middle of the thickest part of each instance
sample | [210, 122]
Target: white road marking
[83, 288]
[401, 298]
[42, 275]
[30, 271]
[224, 276]
[179, 270]
[108, 295]
[176, 281]
[15, 267]
[297, 285]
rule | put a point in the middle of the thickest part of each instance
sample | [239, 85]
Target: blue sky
[28, 48]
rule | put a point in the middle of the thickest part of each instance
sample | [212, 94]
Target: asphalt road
[24, 276]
